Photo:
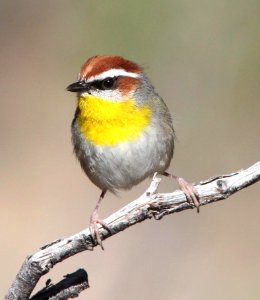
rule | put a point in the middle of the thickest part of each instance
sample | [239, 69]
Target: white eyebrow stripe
[113, 73]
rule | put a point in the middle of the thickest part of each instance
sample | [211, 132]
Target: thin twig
[69, 287]
[150, 204]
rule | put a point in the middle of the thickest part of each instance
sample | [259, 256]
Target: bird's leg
[188, 189]
[94, 221]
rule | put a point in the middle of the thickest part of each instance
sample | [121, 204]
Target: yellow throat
[107, 123]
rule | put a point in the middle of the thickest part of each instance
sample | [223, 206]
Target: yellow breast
[107, 123]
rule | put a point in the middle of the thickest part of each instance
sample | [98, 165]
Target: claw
[94, 228]
[188, 189]
[190, 192]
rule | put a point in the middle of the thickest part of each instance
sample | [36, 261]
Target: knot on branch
[222, 186]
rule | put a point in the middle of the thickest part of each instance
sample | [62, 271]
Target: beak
[78, 86]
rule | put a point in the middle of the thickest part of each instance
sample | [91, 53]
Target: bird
[122, 130]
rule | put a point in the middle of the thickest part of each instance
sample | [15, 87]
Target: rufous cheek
[127, 85]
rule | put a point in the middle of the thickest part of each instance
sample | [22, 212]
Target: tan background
[203, 57]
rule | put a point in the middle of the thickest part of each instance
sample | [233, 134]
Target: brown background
[203, 57]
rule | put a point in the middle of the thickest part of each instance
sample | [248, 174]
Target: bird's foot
[190, 192]
[94, 228]
[188, 189]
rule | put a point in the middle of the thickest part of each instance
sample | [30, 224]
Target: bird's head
[110, 78]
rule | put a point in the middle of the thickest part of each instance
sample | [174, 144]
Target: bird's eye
[108, 83]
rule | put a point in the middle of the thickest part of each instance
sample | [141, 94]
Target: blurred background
[203, 58]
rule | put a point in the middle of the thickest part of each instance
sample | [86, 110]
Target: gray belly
[127, 163]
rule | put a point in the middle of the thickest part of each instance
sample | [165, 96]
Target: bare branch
[150, 204]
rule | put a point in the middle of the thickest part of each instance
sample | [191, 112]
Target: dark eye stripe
[109, 83]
